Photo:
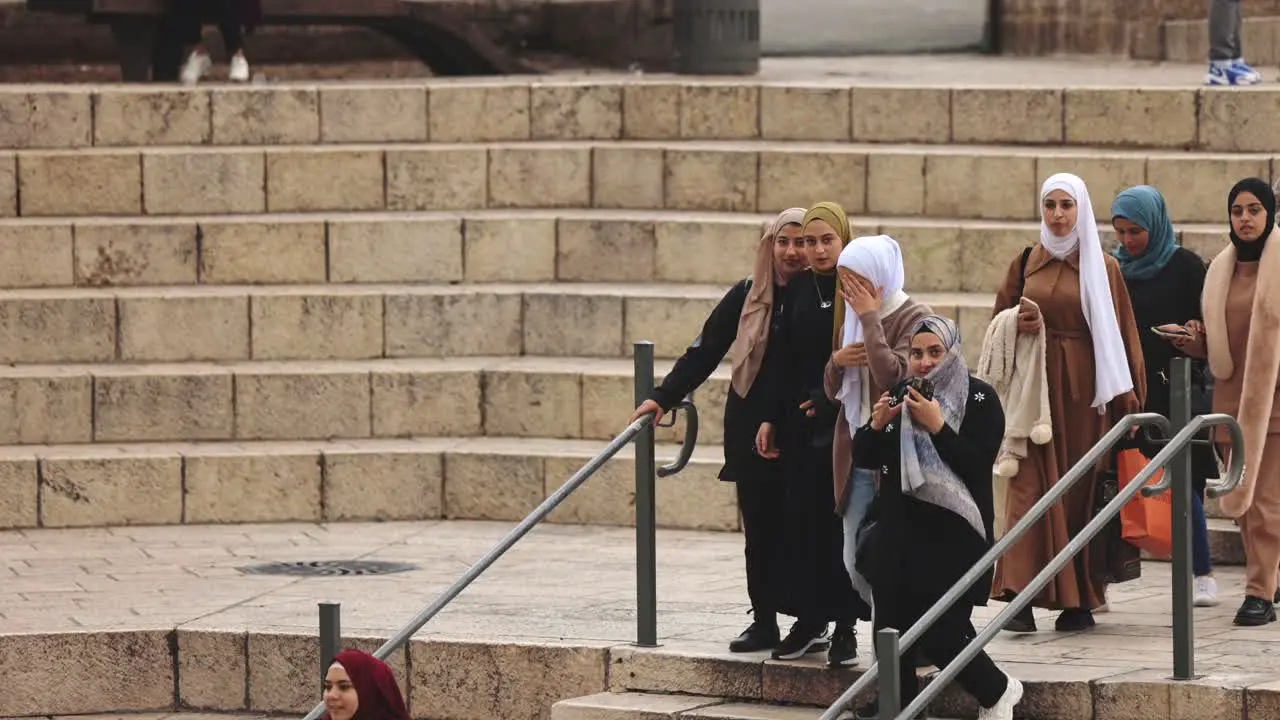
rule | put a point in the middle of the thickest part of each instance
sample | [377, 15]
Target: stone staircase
[242, 304]
[416, 300]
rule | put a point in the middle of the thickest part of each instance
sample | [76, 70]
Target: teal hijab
[1144, 206]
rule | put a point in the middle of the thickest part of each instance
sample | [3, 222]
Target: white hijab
[877, 258]
[1110, 359]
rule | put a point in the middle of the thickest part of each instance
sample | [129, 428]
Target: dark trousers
[188, 21]
[761, 502]
[941, 644]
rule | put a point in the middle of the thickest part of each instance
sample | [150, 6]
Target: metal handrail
[642, 426]
[1138, 484]
[1117, 433]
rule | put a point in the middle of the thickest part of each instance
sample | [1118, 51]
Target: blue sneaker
[1227, 73]
[1247, 69]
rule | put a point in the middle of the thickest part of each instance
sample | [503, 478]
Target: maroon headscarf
[376, 689]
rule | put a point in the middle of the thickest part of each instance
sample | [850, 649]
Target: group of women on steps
[862, 447]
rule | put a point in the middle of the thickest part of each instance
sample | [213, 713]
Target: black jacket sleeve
[972, 452]
[707, 351]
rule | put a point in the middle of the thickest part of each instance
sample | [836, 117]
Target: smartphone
[1171, 332]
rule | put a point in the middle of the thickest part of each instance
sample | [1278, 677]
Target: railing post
[890, 700]
[646, 510]
[330, 637]
[1184, 637]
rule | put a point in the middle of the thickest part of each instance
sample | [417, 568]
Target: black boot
[1255, 611]
[1074, 620]
[1023, 622]
[760, 635]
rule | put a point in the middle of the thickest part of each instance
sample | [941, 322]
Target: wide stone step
[347, 481]
[620, 107]
[481, 246]
[593, 679]
[975, 182]
[561, 398]
[341, 322]
[652, 706]
[421, 478]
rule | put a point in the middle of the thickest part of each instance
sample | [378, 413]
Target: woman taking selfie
[933, 440]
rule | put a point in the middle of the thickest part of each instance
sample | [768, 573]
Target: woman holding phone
[1165, 282]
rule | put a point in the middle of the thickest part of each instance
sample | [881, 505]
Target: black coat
[1172, 296]
[922, 549]
[742, 416]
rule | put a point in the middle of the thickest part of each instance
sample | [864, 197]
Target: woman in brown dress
[1241, 338]
[1095, 376]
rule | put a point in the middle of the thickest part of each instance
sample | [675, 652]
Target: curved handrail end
[687, 444]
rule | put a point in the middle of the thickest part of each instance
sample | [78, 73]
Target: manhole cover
[328, 567]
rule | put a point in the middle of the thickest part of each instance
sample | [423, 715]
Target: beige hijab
[1261, 363]
[747, 351]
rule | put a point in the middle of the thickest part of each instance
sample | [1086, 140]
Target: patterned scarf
[924, 474]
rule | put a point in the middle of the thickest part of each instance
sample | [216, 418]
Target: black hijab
[1261, 189]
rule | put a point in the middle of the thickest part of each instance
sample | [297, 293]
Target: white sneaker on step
[1206, 591]
[239, 68]
[197, 65]
[1003, 709]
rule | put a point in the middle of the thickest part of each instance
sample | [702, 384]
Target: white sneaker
[1206, 591]
[1003, 709]
[197, 65]
[239, 68]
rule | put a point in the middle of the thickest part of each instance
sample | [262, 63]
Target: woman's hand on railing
[647, 407]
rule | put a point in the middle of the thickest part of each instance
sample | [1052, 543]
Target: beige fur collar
[1261, 362]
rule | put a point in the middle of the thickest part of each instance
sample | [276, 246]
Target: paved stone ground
[561, 582]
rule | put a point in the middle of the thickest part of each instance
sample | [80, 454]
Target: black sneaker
[1255, 611]
[844, 646]
[1074, 620]
[804, 638]
[1276, 601]
[759, 635]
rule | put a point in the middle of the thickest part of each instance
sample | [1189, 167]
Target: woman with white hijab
[873, 340]
[1094, 369]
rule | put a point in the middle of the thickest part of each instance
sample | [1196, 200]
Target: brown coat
[888, 342]
[1245, 364]
[1054, 285]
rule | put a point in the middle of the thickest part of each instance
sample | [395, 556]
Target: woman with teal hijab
[1165, 282]
[1143, 208]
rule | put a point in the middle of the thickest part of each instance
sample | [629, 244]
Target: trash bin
[717, 37]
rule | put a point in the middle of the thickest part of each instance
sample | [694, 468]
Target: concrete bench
[438, 33]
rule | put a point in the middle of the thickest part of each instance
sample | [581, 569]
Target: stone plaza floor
[560, 583]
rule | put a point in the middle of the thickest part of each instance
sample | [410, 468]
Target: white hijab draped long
[1110, 359]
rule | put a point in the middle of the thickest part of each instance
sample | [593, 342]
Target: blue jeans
[862, 490]
[1200, 563]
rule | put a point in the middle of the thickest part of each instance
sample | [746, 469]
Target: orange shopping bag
[1145, 522]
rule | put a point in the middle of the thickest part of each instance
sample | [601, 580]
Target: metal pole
[890, 700]
[1183, 617]
[330, 637]
[646, 510]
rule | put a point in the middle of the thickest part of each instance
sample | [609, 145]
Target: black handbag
[1112, 559]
